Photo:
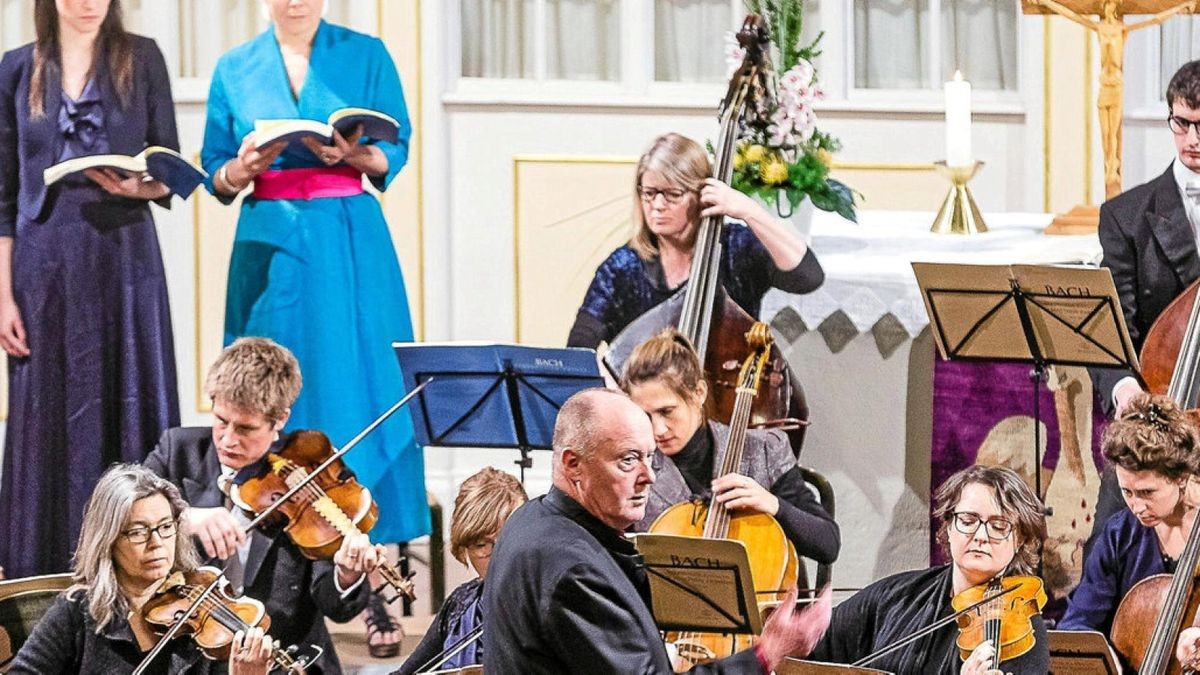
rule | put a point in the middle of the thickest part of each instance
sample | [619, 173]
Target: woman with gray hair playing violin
[132, 538]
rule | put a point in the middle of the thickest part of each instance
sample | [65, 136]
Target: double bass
[774, 563]
[1170, 365]
[702, 310]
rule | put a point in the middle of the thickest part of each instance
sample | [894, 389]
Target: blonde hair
[1153, 435]
[1016, 500]
[104, 519]
[255, 375]
[484, 503]
[682, 162]
[669, 358]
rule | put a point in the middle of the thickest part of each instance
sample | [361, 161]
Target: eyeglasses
[482, 549]
[141, 534]
[1179, 125]
[672, 195]
[968, 523]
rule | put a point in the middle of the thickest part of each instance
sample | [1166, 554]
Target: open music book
[375, 125]
[162, 164]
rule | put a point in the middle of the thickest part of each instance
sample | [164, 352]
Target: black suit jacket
[298, 593]
[567, 594]
[1150, 247]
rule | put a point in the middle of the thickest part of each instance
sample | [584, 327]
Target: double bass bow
[774, 563]
[201, 595]
[702, 310]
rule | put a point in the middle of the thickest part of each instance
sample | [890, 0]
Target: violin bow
[452, 651]
[174, 629]
[861, 663]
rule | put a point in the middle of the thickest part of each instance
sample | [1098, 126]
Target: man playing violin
[132, 538]
[993, 525]
[252, 386]
[566, 592]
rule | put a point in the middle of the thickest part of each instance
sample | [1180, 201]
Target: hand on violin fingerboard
[250, 653]
[355, 558]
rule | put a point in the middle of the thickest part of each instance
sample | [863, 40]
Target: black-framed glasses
[1179, 125]
[672, 195]
[141, 533]
[966, 522]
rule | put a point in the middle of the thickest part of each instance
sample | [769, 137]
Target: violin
[1002, 611]
[215, 621]
[332, 505]
[774, 563]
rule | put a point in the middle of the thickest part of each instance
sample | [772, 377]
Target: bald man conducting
[566, 592]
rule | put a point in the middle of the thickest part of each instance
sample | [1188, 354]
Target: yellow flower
[755, 153]
[825, 157]
[773, 171]
[739, 159]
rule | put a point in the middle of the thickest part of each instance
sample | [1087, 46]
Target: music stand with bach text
[492, 395]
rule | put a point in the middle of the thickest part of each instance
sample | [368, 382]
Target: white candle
[958, 121]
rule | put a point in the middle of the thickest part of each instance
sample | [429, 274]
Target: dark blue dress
[99, 385]
[1124, 553]
[626, 287]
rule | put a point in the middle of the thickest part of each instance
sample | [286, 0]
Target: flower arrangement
[780, 154]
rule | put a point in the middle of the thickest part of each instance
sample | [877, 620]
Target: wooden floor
[350, 640]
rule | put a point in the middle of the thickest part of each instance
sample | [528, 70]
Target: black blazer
[567, 594]
[29, 146]
[298, 593]
[1150, 247]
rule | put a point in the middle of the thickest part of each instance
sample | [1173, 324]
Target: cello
[702, 310]
[774, 563]
[1170, 365]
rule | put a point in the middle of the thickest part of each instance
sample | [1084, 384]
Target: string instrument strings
[270, 511]
[930, 629]
[331, 505]
[205, 608]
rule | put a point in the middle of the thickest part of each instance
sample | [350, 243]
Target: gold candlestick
[959, 214]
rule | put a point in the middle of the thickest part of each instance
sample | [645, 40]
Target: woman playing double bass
[992, 524]
[663, 377]
[674, 189]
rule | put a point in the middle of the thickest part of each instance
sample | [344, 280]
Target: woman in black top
[132, 539]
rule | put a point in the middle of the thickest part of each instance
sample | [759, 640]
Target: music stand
[1039, 314]
[492, 395]
[1081, 653]
[699, 584]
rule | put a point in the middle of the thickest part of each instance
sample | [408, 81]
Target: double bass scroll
[701, 309]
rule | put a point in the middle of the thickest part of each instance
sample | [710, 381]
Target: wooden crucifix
[1111, 32]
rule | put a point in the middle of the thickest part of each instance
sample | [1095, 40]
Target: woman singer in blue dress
[84, 317]
[313, 265]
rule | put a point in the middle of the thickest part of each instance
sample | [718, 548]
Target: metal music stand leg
[514, 400]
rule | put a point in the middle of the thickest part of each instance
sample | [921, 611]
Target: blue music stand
[492, 396]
